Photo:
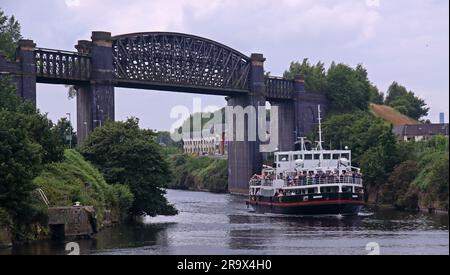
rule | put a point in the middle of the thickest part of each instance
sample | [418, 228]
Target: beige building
[210, 141]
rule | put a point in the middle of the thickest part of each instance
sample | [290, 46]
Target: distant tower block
[441, 118]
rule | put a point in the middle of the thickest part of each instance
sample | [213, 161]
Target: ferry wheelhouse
[308, 182]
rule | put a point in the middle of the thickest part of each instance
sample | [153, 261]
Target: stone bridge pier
[244, 157]
[95, 100]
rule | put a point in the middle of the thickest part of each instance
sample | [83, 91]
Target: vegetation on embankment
[198, 173]
[128, 155]
[404, 175]
[422, 179]
[131, 175]
[76, 180]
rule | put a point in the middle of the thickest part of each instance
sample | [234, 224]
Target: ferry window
[345, 156]
[296, 157]
[308, 156]
[347, 189]
[335, 156]
[283, 158]
[326, 156]
[316, 156]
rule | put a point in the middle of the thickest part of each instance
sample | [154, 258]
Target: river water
[222, 224]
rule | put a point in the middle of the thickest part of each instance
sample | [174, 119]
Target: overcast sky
[402, 40]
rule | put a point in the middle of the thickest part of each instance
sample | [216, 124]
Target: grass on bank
[76, 180]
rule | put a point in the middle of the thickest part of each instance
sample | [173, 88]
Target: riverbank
[418, 201]
[74, 180]
[198, 173]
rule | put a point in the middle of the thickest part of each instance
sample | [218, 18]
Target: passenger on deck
[316, 179]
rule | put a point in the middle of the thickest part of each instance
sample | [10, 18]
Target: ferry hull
[338, 206]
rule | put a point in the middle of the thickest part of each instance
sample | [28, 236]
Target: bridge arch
[180, 62]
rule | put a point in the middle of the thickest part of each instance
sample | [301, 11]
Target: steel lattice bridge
[162, 61]
[169, 62]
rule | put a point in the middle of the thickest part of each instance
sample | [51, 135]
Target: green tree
[126, 154]
[396, 190]
[39, 128]
[315, 77]
[373, 167]
[27, 142]
[406, 102]
[165, 138]
[438, 182]
[9, 34]
[375, 96]
[347, 89]
[65, 132]
[373, 144]
[379, 161]
[20, 162]
[388, 142]
[359, 131]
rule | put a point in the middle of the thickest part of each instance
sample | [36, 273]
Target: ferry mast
[319, 146]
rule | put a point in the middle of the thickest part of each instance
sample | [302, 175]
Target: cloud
[373, 3]
[72, 3]
[352, 19]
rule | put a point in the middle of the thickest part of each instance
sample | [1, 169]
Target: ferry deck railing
[305, 181]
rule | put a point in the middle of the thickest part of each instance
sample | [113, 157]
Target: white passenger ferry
[309, 182]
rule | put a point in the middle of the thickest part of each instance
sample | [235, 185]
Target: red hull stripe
[288, 204]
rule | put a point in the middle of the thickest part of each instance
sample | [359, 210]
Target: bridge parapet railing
[62, 64]
[279, 88]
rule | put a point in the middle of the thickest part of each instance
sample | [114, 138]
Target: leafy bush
[397, 191]
[120, 197]
[5, 219]
[126, 154]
